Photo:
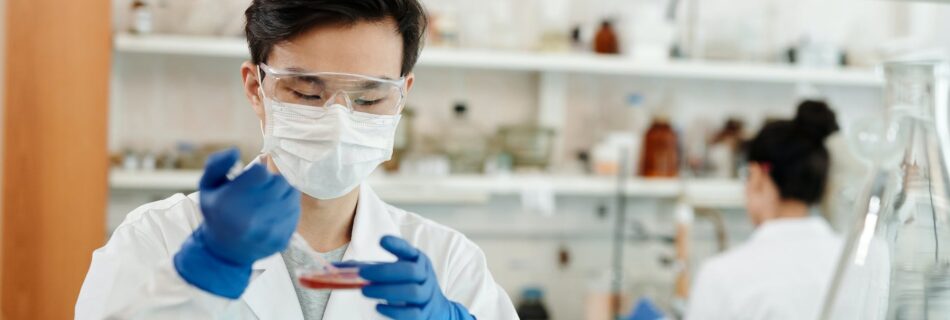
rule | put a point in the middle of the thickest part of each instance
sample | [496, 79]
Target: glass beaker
[896, 261]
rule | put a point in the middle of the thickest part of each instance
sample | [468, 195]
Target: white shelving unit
[552, 69]
[476, 189]
[537, 62]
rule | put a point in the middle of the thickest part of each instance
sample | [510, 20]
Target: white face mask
[326, 152]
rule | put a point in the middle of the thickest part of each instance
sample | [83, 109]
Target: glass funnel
[896, 261]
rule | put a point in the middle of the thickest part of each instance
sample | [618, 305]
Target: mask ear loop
[402, 98]
[260, 90]
[266, 146]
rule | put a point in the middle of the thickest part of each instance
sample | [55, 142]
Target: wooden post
[55, 168]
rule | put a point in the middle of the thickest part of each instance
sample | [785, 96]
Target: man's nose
[341, 98]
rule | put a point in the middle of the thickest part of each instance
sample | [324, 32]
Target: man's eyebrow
[298, 69]
[311, 79]
[369, 84]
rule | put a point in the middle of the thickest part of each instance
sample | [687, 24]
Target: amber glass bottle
[660, 155]
[605, 41]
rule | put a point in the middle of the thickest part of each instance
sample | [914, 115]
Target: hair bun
[815, 120]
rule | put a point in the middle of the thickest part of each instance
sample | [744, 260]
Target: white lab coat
[781, 272]
[132, 276]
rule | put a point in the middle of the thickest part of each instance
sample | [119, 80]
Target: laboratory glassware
[896, 261]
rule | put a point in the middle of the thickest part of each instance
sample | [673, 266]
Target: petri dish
[335, 279]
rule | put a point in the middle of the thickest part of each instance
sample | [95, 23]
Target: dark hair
[795, 151]
[270, 22]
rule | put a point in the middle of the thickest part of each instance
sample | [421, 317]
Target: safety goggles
[359, 93]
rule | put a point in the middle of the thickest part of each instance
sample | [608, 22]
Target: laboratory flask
[896, 261]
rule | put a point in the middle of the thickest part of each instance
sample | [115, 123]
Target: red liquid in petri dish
[341, 279]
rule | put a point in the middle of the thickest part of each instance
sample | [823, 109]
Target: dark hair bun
[815, 120]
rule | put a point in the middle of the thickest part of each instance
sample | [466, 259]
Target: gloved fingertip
[399, 312]
[257, 168]
[366, 272]
[292, 194]
[284, 185]
[348, 264]
[399, 247]
[217, 167]
[384, 310]
[256, 174]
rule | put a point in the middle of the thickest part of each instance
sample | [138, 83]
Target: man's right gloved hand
[245, 219]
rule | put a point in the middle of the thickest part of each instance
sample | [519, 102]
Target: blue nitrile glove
[408, 286]
[646, 310]
[245, 219]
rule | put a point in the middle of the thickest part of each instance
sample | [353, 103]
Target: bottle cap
[532, 293]
[460, 108]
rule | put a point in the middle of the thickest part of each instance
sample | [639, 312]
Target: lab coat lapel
[371, 223]
[271, 295]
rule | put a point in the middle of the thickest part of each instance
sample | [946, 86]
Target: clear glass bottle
[896, 261]
[141, 18]
[464, 143]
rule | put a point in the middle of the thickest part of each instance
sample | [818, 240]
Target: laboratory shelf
[478, 189]
[229, 47]
[538, 62]
[154, 180]
[624, 66]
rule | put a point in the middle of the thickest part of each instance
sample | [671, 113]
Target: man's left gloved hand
[408, 286]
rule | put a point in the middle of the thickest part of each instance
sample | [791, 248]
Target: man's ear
[756, 176]
[410, 80]
[252, 86]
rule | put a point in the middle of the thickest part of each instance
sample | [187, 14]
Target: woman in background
[782, 271]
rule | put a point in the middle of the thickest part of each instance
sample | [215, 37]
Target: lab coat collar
[270, 279]
[785, 227]
[373, 220]
[271, 294]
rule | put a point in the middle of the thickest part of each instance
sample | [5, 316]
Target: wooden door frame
[55, 163]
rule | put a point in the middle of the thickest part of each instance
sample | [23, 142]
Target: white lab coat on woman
[132, 276]
[781, 273]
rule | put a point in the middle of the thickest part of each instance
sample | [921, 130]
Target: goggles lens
[357, 92]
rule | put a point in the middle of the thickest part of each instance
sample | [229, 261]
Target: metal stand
[616, 286]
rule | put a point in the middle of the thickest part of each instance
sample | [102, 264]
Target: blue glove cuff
[204, 270]
[460, 312]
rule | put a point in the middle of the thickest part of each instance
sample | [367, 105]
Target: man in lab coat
[328, 79]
